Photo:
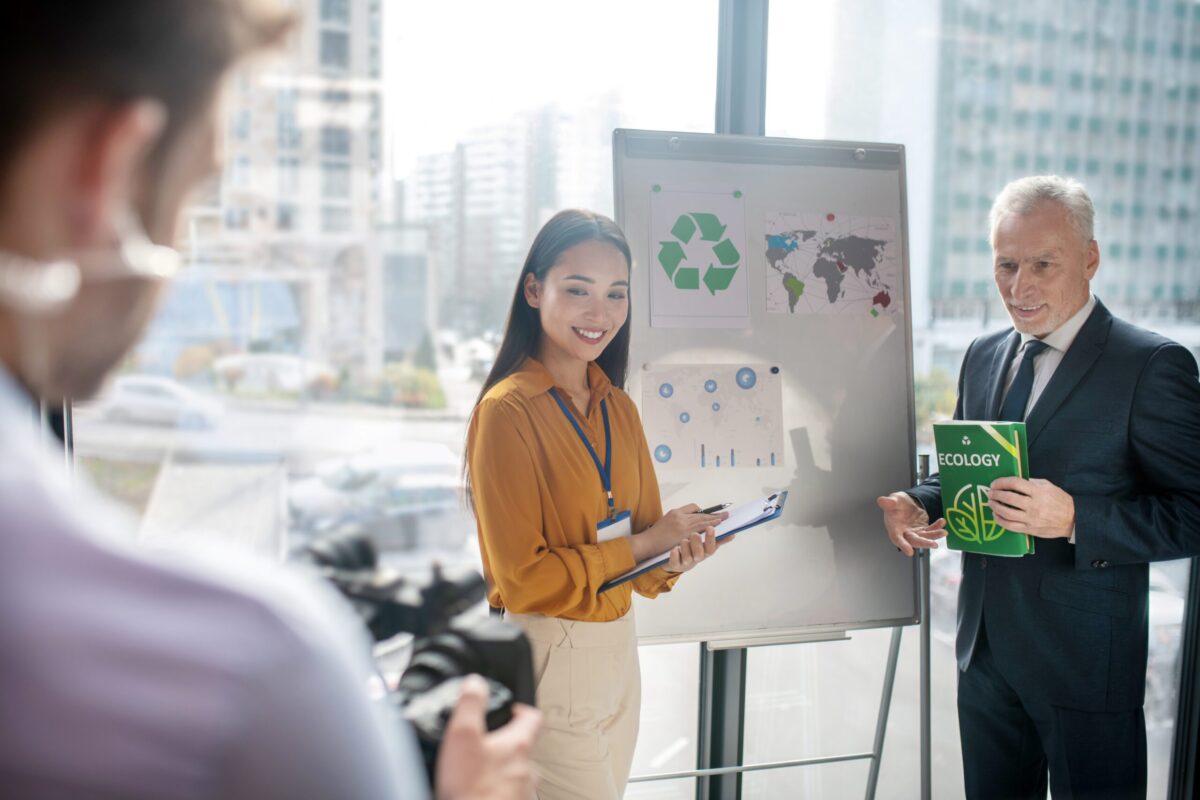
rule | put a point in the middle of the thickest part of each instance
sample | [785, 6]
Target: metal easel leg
[885, 704]
[926, 698]
[889, 680]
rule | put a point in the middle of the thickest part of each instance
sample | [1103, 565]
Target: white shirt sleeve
[198, 674]
[311, 729]
[308, 733]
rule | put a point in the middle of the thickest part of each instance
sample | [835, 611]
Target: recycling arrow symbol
[673, 257]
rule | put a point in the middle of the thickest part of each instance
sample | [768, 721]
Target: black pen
[718, 508]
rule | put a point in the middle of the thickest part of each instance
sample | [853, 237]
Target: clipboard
[742, 518]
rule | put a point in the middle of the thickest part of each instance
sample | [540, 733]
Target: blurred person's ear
[104, 180]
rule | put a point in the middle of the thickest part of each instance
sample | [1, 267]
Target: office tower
[302, 191]
[1107, 92]
[485, 200]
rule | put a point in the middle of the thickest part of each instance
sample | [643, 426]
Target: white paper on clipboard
[741, 518]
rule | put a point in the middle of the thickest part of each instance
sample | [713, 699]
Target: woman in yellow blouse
[566, 498]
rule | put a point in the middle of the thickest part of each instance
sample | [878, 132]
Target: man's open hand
[908, 525]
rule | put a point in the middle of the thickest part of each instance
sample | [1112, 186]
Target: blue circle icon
[716, 406]
[710, 386]
[666, 390]
[685, 417]
[662, 454]
[746, 378]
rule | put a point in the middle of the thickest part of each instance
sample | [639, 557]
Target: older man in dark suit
[1052, 647]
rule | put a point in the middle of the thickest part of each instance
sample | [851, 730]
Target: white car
[155, 400]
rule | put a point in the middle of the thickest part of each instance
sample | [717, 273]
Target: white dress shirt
[126, 676]
[1045, 364]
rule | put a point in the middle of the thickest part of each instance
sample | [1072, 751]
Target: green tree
[412, 387]
[424, 355]
[935, 394]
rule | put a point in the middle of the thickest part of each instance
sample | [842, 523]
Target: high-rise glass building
[1107, 92]
[278, 245]
[485, 200]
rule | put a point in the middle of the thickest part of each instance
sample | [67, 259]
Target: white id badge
[615, 528]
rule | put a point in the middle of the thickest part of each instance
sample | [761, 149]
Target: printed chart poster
[697, 260]
[830, 263]
[728, 416]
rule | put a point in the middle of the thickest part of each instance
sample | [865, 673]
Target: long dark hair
[523, 330]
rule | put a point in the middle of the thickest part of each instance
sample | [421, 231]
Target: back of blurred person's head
[110, 119]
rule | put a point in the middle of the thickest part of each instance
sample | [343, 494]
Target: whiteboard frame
[630, 144]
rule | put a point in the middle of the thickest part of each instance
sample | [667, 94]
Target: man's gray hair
[1024, 194]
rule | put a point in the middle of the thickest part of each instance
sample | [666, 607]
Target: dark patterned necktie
[1013, 409]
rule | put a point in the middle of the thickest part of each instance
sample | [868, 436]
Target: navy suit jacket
[1117, 428]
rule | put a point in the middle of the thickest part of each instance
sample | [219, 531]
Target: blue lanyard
[605, 469]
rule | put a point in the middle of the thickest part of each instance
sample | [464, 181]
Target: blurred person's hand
[476, 765]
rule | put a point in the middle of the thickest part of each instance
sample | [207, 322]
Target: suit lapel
[1001, 360]
[1078, 359]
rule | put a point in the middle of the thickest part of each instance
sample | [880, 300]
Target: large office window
[336, 141]
[313, 367]
[335, 11]
[335, 180]
[335, 49]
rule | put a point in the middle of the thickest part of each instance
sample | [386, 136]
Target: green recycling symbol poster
[698, 259]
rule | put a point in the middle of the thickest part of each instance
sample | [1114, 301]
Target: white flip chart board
[772, 349]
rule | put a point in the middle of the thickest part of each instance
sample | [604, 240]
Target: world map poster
[830, 263]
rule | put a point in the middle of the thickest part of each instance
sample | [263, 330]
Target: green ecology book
[970, 456]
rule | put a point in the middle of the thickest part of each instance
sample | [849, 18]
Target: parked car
[156, 400]
[479, 355]
[407, 497]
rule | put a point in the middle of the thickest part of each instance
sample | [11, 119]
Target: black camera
[448, 644]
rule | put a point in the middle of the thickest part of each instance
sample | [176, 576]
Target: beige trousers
[589, 690]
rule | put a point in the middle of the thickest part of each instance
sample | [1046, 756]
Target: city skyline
[313, 157]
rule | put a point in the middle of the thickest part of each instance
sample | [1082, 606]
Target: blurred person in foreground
[1051, 647]
[123, 676]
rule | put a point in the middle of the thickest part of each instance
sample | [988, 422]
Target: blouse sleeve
[506, 486]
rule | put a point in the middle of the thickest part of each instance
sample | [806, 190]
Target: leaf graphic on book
[964, 518]
[988, 527]
[962, 524]
[970, 518]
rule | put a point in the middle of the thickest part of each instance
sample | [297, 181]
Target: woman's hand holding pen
[680, 532]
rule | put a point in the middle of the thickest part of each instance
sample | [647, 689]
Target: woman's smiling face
[582, 302]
